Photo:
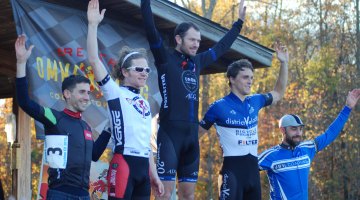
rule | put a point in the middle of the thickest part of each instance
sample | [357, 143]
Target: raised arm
[226, 41]
[153, 35]
[337, 125]
[281, 82]
[29, 106]
[22, 55]
[94, 19]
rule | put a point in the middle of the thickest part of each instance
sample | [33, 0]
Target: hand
[22, 54]
[242, 10]
[352, 98]
[281, 52]
[157, 186]
[93, 14]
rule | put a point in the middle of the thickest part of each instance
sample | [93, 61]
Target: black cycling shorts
[240, 178]
[178, 151]
[128, 178]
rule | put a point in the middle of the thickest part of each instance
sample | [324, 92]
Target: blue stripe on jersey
[157, 45]
[213, 54]
[117, 125]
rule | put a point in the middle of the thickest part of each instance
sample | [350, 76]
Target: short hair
[70, 82]
[182, 28]
[239, 65]
[126, 63]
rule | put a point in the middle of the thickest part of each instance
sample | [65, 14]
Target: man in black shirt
[69, 145]
[178, 76]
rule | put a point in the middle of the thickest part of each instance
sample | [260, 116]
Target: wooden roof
[167, 16]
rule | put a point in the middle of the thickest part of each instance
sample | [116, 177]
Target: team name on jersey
[163, 84]
[291, 164]
[245, 121]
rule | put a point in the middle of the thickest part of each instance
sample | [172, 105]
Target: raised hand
[22, 54]
[242, 10]
[352, 98]
[281, 52]
[93, 14]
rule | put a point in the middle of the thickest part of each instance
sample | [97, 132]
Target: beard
[291, 140]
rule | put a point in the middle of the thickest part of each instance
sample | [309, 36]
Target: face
[78, 99]
[241, 84]
[133, 78]
[190, 43]
[292, 135]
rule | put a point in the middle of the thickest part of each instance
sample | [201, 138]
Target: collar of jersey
[288, 147]
[236, 98]
[72, 113]
[132, 89]
[183, 56]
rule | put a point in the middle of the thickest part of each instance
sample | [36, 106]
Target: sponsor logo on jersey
[247, 142]
[233, 112]
[87, 135]
[139, 105]
[190, 81]
[163, 84]
[245, 121]
[291, 164]
[117, 126]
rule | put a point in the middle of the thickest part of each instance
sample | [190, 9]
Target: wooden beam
[24, 156]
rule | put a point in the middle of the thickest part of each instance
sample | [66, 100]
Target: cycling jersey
[128, 175]
[178, 79]
[288, 169]
[178, 74]
[69, 146]
[236, 122]
[130, 118]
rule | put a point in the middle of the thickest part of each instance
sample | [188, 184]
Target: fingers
[102, 13]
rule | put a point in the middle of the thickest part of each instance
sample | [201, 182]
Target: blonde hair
[126, 55]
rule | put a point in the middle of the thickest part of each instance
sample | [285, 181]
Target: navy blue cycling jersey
[288, 169]
[70, 159]
[236, 122]
[178, 74]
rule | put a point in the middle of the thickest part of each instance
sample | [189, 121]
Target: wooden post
[23, 156]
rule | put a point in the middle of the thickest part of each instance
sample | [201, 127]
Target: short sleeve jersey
[236, 122]
[130, 118]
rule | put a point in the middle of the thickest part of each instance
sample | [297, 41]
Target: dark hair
[70, 82]
[182, 28]
[138, 53]
[239, 65]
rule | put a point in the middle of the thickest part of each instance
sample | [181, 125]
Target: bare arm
[156, 184]
[281, 82]
[94, 19]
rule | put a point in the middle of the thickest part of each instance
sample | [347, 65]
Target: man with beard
[288, 164]
[178, 75]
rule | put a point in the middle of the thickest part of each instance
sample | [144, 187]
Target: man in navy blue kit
[288, 164]
[178, 76]
[236, 120]
[69, 146]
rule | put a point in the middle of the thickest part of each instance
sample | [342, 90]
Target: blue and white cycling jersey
[236, 122]
[288, 169]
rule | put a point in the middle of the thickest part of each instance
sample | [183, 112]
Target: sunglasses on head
[141, 69]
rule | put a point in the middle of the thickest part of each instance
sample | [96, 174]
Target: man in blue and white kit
[288, 164]
[236, 119]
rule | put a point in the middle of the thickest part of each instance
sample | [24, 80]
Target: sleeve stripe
[49, 115]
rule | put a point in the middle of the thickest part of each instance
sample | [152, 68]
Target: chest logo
[190, 81]
[140, 106]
